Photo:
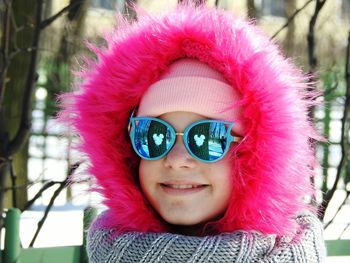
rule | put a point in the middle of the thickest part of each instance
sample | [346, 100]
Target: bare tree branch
[291, 18]
[339, 208]
[345, 228]
[62, 184]
[18, 186]
[251, 9]
[310, 36]
[9, 23]
[45, 23]
[344, 134]
[4, 63]
[46, 186]
[196, 2]
[47, 210]
[13, 180]
[129, 11]
[39, 193]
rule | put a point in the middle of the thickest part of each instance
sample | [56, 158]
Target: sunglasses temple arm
[237, 139]
[131, 116]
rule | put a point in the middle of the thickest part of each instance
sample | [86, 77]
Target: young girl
[198, 136]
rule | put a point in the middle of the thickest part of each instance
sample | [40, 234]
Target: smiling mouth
[183, 188]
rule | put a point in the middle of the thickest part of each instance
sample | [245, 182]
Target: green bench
[338, 247]
[13, 252]
[77, 254]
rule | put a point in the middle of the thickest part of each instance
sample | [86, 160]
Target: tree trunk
[24, 16]
[128, 11]
[289, 42]
[17, 79]
[252, 14]
[196, 2]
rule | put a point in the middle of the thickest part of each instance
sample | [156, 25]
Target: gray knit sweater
[241, 246]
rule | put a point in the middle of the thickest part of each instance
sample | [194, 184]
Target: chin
[183, 222]
[186, 221]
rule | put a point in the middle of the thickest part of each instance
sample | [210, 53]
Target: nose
[178, 157]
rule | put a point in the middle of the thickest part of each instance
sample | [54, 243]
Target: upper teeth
[184, 186]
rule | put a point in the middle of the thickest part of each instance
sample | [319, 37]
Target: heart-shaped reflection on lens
[158, 139]
[199, 140]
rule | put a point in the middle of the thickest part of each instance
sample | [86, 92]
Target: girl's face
[183, 190]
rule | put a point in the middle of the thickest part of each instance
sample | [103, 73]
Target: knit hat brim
[192, 86]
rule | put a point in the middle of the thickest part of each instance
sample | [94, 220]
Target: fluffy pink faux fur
[273, 165]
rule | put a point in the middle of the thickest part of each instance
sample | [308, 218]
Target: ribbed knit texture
[307, 246]
[190, 85]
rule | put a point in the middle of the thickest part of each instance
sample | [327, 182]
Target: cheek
[142, 169]
[223, 167]
[145, 169]
[149, 172]
[223, 178]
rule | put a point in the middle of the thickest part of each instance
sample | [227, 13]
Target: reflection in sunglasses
[205, 140]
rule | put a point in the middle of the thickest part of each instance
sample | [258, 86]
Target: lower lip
[182, 191]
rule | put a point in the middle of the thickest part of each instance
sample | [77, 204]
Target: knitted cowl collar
[306, 245]
[272, 165]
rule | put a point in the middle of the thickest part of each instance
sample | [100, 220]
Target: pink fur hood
[272, 165]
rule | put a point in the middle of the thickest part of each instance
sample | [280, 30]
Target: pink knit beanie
[193, 86]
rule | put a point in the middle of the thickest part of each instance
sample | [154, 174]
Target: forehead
[181, 119]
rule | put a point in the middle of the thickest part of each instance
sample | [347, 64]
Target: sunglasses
[205, 140]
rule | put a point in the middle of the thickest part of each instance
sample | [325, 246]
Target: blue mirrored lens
[208, 140]
[151, 138]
